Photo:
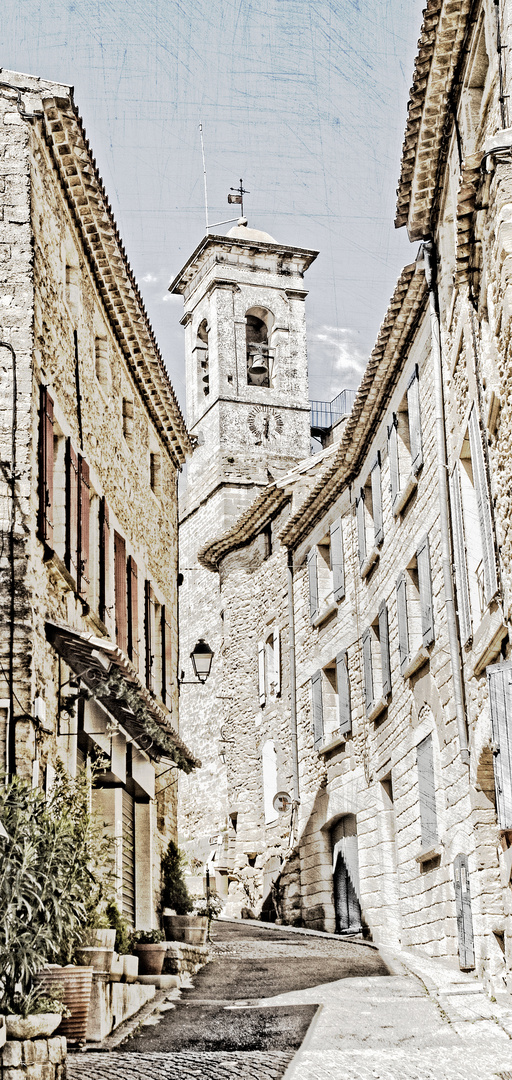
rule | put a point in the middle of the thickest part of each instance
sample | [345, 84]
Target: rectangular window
[166, 657]
[370, 526]
[104, 567]
[376, 664]
[46, 466]
[71, 557]
[133, 611]
[405, 445]
[149, 633]
[427, 793]
[499, 678]
[331, 705]
[474, 552]
[83, 526]
[326, 572]
[155, 462]
[120, 592]
[269, 667]
[415, 610]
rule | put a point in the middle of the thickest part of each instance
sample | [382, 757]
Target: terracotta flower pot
[151, 957]
[74, 985]
[33, 1026]
[96, 957]
[189, 928]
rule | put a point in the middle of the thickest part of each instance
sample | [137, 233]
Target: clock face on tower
[265, 423]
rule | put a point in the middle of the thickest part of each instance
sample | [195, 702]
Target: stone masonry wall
[34, 1059]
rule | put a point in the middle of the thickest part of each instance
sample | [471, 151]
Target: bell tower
[248, 413]
[246, 365]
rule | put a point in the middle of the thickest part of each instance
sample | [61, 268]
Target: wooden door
[463, 911]
[346, 876]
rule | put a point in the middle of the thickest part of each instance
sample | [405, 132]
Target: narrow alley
[274, 1002]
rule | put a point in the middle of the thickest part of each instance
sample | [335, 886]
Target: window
[427, 793]
[155, 461]
[405, 446]
[269, 667]
[120, 592]
[267, 541]
[370, 527]
[104, 562]
[128, 421]
[46, 465]
[326, 573]
[415, 611]
[499, 678]
[331, 708]
[73, 287]
[158, 634]
[376, 664]
[102, 363]
[473, 534]
[260, 357]
[133, 611]
[77, 503]
[202, 354]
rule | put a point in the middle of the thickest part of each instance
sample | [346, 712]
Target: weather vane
[239, 197]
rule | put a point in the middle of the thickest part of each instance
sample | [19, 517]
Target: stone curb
[112, 1041]
[303, 1048]
[298, 930]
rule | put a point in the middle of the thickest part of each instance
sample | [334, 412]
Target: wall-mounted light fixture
[201, 657]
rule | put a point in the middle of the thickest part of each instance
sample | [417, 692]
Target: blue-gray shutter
[368, 671]
[318, 710]
[463, 912]
[394, 470]
[499, 679]
[459, 557]
[262, 690]
[403, 631]
[427, 792]
[378, 522]
[343, 682]
[484, 507]
[384, 649]
[414, 415]
[313, 583]
[361, 528]
[337, 561]
[425, 590]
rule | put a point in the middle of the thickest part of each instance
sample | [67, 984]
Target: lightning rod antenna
[204, 178]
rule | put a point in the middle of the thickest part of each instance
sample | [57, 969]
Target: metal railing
[324, 414]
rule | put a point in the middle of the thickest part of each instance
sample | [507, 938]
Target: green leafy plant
[174, 889]
[44, 1001]
[147, 937]
[54, 878]
[117, 922]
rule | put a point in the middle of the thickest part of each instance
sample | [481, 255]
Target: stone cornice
[301, 257]
[50, 107]
[259, 514]
[443, 33]
[371, 402]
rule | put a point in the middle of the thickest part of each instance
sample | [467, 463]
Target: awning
[106, 672]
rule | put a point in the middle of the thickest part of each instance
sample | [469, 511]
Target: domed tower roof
[241, 232]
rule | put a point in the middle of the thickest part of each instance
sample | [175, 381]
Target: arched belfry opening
[260, 357]
[202, 355]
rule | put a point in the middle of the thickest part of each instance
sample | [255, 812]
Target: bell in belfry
[258, 362]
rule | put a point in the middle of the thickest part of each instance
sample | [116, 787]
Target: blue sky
[304, 99]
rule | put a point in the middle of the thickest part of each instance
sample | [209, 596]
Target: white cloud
[336, 361]
[149, 279]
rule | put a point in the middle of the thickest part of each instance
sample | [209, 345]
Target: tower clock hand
[266, 426]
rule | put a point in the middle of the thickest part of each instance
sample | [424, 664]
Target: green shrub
[147, 937]
[117, 922]
[174, 890]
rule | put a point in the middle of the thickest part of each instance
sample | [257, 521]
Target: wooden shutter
[394, 471]
[403, 631]
[121, 592]
[313, 583]
[460, 560]
[104, 558]
[83, 527]
[427, 792]
[425, 590]
[133, 611]
[45, 523]
[262, 690]
[378, 522]
[276, 675]
[463, 912]
[343, 681]
[361, 528]
[337, 560]
[368, 671]
[384, 649]
[499, 679]
[148, 632]
[166, 659]
[318, 711]
[484, 507]
[71, 553]
[414, 417]
[128, 856]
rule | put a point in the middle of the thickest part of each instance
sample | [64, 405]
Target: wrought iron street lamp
[201, 657]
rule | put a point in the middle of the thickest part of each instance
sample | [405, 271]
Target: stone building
[391, 589]
[91, 441]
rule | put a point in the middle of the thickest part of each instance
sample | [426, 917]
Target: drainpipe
[293, 701]
[428, 251]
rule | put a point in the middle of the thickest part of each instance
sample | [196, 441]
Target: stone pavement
[424, 1021]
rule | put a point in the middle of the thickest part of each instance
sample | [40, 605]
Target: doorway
[345, 866]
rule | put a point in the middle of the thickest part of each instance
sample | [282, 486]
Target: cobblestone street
[244, 1018]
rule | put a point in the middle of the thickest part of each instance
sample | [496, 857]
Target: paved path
[425, 1021]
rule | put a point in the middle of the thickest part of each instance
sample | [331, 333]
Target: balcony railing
[324, 414]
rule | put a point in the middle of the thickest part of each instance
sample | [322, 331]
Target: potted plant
[150, 947]
[39, 1016]
[123, 963]
[177, 902]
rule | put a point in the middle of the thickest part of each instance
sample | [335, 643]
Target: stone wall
[34, 1059]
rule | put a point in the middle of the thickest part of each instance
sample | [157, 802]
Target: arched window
[201, 349]
[259, 356]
